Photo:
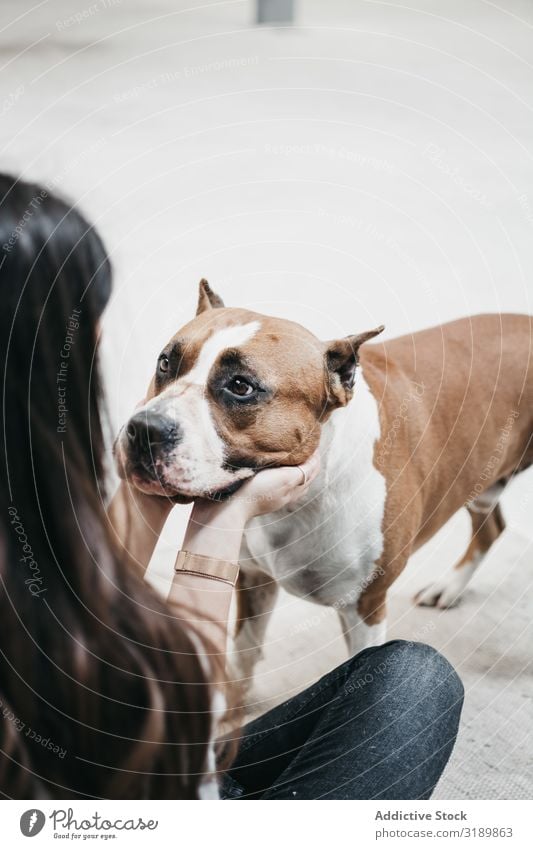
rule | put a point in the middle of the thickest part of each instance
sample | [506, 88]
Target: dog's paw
[442, 594]
[447, 592]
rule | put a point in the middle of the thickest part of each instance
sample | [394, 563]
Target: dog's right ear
[342, 357]
[207, 299]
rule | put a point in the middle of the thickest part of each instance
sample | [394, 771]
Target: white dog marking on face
[228, 337]
[196, 465]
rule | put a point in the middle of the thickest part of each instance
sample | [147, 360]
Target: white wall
[371, 165]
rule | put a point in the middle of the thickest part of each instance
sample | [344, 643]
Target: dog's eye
[240, 387]
[162, 363]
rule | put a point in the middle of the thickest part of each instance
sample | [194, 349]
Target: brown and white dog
[410, 430]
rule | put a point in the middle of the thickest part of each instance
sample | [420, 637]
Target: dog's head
[233, 392]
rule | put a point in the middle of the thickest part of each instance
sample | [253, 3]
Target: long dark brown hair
[101, 690]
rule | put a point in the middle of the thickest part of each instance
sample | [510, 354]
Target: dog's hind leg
[256, 597]
[487, 525]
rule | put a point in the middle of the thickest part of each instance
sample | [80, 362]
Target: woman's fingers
[301, 477]
[311, 467]
[272, 489]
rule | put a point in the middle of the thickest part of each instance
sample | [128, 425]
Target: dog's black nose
[149, 433]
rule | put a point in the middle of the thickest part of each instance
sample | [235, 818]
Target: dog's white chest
[325, 548]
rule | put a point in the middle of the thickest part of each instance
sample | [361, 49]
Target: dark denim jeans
[380, 726]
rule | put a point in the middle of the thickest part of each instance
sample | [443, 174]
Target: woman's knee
[431, 672]
[408, 668]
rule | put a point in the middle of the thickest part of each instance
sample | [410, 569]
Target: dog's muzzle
[150, 435]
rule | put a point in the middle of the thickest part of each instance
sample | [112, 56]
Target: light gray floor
[489, 639]
[373, 164]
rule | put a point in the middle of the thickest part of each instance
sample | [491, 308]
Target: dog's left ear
[341, 362]
[207, 299]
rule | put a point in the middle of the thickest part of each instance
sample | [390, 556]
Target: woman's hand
[136, 522]
[137, 519]
[272, 489]
[216, 528]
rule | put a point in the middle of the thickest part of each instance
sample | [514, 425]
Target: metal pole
[275, 11]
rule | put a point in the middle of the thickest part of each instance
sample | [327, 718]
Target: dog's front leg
[256, 597]
[360, 631]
